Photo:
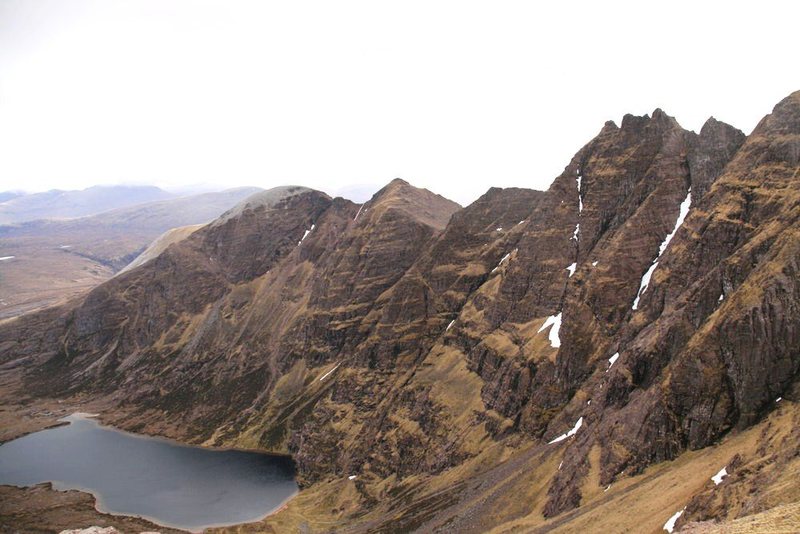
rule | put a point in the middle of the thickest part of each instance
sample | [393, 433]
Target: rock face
[647, 304]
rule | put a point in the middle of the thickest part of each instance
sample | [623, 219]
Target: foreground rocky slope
[496, 366]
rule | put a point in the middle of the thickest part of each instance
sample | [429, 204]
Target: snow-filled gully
[685, 205]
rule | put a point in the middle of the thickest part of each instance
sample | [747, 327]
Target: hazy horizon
[355, 192]
[451, 96]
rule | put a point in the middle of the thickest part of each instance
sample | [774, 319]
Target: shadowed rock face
[710, 151]
[402, 339]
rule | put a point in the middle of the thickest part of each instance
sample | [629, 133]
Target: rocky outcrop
[700, 357]
[645, 305]
[710, 152]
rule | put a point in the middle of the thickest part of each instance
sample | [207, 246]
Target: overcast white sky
[453, 96]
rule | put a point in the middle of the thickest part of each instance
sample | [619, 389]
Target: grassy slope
[642, 503]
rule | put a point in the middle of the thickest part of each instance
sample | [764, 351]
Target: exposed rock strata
[401, 341]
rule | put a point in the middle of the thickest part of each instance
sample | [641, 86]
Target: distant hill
[54, 259]
[58, 204]
[5, 196]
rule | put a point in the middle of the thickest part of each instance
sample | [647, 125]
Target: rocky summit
[580, 359]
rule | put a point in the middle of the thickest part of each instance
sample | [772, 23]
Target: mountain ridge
[644, 307]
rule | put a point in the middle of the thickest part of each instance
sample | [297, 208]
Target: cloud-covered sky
[454, 96]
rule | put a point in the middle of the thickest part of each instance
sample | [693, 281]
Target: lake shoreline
[42, 508]
[28, 508]
[171, 441]
[38, 420]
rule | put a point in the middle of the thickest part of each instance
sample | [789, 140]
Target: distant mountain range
[57, 258]
[57, 204]
[8, 195]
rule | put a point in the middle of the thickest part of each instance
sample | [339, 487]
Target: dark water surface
[171, 484]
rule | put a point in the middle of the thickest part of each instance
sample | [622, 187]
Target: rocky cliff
[647, 304]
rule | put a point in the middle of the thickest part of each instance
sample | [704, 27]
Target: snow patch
[569, 434]
[451, 324]
[306, 234]
[554, 320]
[65, 246]
[612, 359]
[504, 258]
[4, 258]
[779, 399]
[522, 221]
[669, 526]
[351, 477]
[323, 377]
[594, 264]
[643, 285]
[721, 297]
[571, 269]
[91, 530]
[559, 465]
[580, 198]
[719, 476]
[576, 232]
[685, 205]
[608, 488]
[499, 228]
[358, 213]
